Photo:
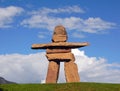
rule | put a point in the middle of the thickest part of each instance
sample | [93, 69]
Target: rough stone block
[60, 56]
[53, 72]
[49, 51]
[59, 38]
[71, 72]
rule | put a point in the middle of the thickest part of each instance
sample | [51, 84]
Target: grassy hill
[61, 87]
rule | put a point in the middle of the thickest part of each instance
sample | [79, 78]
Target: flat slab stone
[60, 56]
[49, 51]
[59, 45]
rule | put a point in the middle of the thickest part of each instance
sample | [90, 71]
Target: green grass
[61, 87]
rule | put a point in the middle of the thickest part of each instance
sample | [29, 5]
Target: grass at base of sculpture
[82, 86]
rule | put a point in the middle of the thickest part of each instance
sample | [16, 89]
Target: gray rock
[4, 81]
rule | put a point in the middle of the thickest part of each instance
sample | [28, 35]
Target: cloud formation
[23, 68]
[48, 18]
[32, 68]
[7, 15]
[68, 9]
[94, 69]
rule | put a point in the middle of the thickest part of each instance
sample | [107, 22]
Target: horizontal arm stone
[59, 45]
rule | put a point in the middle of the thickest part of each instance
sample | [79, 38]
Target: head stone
[59, 34]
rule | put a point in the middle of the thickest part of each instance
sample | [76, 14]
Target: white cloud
[94, 69]
[96, 25]
[42, 34]
[32, 68]
[19, 68]
[78, 35]
[48, 18]
[7, 14]
[68, 9]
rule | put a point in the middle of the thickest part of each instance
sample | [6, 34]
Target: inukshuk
[60, 51]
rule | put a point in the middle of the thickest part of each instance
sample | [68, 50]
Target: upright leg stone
[71, 71]
[53, 72]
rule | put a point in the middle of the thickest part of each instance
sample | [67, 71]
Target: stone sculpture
[60, 51]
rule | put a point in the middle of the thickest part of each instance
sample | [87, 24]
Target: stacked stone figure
[60, 51]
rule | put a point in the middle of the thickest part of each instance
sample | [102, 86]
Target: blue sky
[18, 39]
[24, 22]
